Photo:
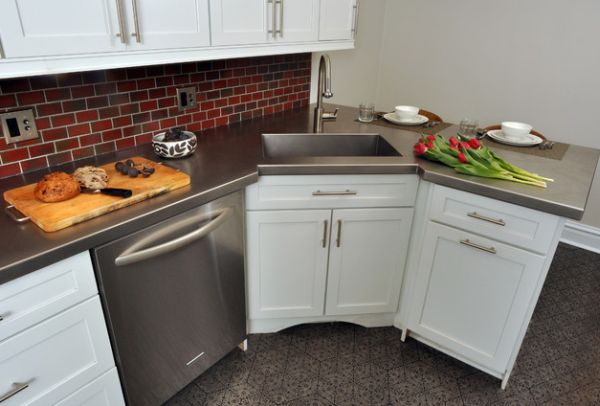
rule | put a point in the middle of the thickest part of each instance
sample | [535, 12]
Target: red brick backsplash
[79, 115]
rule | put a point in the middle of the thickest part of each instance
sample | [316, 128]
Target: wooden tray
[56, 216]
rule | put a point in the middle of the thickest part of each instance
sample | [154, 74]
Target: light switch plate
[186, 97]
[18, 126]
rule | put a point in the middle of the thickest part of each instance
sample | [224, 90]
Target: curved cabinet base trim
[274, 325]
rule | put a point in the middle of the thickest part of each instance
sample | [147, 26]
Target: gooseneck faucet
[323, 90]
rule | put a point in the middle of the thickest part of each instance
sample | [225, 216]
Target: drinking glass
[468, 127]
[366, 112]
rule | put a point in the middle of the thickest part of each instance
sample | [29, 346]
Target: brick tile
[63, 119]
[54, 134]
[114, 75]
[108, 112]
[69, 79]
[14, 155]
[164, 81]
[101, 125]
[42, 123]
[152, 126]
[89, 139]
[41, 149]
[15, 85]
[111, 135]
[78, 129]
[97, 102]
[104, 148]
[139, 96]
[58, 94]
[74, 105]
[136, 73]
[67, 144]
[82, 91]
[143, 139]
[84, 152]
[8, 100]
[132, 130]
[118, 99]
[43, 82]
[88, 115]
[121, 121]
[156, 70]
[34, 164]
[159, 114]
[105, 88]
[166, 102]
[126, 86]
[130, 108]
[141, 118]
[49, 109]
[60, 158]
[125, 143]
[146, 84]
[31, 98]
[94, 76]
[9, 170]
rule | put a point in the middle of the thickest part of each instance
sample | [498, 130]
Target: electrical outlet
[186, 98]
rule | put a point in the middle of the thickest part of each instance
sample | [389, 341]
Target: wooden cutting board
[56, 216]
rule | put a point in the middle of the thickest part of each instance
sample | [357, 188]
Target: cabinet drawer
[103, 391]
[41, 294]
[331, 191]
[56, 357]
[506, 222]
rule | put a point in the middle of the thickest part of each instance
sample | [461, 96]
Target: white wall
[536, 61]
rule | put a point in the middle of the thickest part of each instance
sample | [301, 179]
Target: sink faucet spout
[323, 90]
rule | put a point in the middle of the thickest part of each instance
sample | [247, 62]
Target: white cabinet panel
[31, 28]
[239, 22]
[167, 24]
[297, 20]
[56, 357]
[471, 301]
[287, 262]
[366, 263]
[38, 295]
[338, 19]
[103, 391]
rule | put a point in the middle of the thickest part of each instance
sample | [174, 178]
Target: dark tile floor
[341, 364]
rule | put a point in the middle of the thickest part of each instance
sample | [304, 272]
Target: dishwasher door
[174, 298]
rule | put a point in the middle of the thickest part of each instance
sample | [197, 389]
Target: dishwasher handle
[142, 255]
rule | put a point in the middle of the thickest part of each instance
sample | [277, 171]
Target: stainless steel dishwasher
[174, 298]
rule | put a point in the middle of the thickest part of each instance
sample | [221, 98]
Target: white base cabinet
[342, 260]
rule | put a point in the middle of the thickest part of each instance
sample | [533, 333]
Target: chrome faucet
[323, 90]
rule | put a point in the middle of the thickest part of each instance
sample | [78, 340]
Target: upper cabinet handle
[136, 23]
[338, 240]
[478, 216]
[280, 30]
[273, 30]
[121, 33]
[346, 192]
[325, 227]
[2, 56]
[17, 387]
[355, 22]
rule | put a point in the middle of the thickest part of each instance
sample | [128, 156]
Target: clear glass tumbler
[366, 112]
[468, 127]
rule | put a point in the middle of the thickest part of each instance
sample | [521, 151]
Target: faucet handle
[329, 115]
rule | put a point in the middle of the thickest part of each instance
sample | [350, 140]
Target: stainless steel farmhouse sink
[325, 144]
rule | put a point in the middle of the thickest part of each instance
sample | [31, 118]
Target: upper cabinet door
[239, 22]
[294, 21]
[167, 24]
[31, 28]
[366, 260]
[338, 19]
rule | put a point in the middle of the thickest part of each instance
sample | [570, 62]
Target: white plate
[527, 141]
[417, 120]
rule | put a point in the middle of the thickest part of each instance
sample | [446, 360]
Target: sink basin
[325, 144]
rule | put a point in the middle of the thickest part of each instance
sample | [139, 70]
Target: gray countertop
[230, 158]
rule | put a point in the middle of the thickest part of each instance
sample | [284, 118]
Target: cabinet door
[239, 22]
[366, 260]
[338, 19]
[472, 294]
[295, 21]
[167, 25]
[287, 262]
[58, 27]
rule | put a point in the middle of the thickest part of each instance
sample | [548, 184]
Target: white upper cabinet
[32, 28]
[166, 24]
[338, 19]
[366, 260]
[239, 22]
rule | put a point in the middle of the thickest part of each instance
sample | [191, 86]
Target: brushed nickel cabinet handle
[136, 23]
[338, 240]
[478, 216]
[273, 30]
[325, 226]
[491, 250]
[2, 55]
[17, 387]
[280, 30]
[355, 20]
[121, 19]
[346, 192]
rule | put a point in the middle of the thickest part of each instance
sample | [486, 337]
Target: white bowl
[174, 149]
[406, 112]
[514, 131]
